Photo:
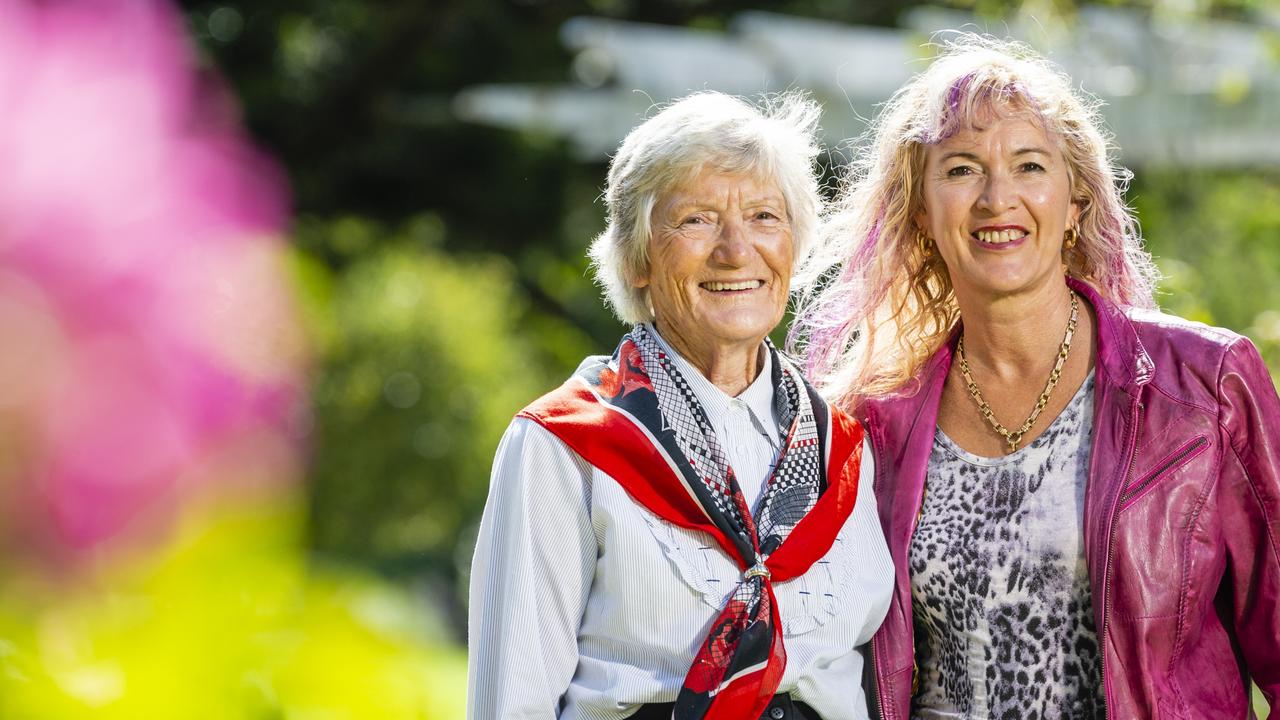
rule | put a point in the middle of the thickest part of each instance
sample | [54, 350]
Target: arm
[533, 566]
[1250, 423]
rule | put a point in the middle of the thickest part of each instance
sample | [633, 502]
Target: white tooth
[1006, 236]
[742, 285]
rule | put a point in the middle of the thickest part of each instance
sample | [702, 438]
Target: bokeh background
[275, 275]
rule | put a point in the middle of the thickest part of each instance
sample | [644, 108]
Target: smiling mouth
[724, 287]
[999, 237]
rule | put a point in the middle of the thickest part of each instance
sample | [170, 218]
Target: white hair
[776, 142]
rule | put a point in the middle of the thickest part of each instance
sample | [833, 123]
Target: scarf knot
[636, 418]
[759, 570]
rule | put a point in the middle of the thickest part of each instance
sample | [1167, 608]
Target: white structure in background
[1188, 92]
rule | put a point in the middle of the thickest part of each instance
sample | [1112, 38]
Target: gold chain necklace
[1015, 437]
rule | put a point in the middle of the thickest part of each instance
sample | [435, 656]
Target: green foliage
[443, 263]
[1216, 237]
[425, 359]
[225, 623]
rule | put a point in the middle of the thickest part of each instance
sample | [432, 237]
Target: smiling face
[720, 258]
[997, 200]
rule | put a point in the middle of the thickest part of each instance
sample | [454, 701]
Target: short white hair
[775, 141]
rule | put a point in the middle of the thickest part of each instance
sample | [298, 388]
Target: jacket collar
[1120, 352]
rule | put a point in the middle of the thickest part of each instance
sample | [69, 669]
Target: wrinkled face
[720, 258]
[997, 200]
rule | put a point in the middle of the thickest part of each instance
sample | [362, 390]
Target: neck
[1012, 336]
[732, 367]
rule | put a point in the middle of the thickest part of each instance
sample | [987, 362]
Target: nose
[998, 193]
[733, 246]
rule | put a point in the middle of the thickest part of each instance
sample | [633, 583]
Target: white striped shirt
[586, 605]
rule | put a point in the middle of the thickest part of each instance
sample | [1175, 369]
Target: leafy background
[449, 258]
[443, 284]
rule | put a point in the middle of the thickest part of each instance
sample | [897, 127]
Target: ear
[1073, 213]
[637, 279]
[920, 221]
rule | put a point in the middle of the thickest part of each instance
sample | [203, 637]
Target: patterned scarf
[635, 417]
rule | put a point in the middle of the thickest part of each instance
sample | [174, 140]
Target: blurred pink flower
[147, 332]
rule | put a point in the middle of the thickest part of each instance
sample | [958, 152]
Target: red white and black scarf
[635, 417]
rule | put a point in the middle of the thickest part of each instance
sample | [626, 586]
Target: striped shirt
[586, 605]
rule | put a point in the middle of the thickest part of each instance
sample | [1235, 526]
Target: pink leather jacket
[1181, 518]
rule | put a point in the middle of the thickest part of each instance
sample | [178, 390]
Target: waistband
[781, 707]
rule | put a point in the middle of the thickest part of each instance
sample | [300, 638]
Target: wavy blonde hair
[872, 304]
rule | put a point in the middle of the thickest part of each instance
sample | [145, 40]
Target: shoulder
[1170, 334]
[845, 423]
[1177, 345]
[566, 398]
[851, 437]
[535, 474]
[526, 436]
[1190, 358]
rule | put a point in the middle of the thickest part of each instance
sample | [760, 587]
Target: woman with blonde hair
[1081, 495]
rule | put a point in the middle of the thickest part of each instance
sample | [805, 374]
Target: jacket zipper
[915, 523]
[1111, 551]
[878, 705]
[1151, 477]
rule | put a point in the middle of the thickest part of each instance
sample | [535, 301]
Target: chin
[1004, 284]
[739, 333]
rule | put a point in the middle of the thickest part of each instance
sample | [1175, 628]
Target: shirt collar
[758, 397]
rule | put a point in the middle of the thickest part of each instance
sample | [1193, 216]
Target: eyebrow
[687, 205]
[1016, 153]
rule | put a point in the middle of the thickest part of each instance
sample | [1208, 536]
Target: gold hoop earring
[1069, 239]
[925, 244]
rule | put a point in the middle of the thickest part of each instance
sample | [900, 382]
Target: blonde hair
[874, 304]
[776, 142]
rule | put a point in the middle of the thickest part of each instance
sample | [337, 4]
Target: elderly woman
[685, 529]
[1080, 494]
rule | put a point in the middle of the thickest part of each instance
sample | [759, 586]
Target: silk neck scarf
[635, 417]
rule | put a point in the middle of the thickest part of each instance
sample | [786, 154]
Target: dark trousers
[782, 707]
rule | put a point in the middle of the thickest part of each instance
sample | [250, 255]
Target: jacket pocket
[1174, 460]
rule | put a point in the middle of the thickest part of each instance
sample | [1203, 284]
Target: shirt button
[777, 713]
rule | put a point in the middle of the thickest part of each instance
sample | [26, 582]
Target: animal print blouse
[1000, 591]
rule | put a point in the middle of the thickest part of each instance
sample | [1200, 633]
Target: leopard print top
[1000, 591]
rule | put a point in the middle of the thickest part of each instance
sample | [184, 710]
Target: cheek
[778, 268]
[1054, 194]
[668, 261]
[1047, 196]
[781, 253]
[939, 208]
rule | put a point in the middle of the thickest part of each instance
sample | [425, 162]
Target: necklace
[1013, 437]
